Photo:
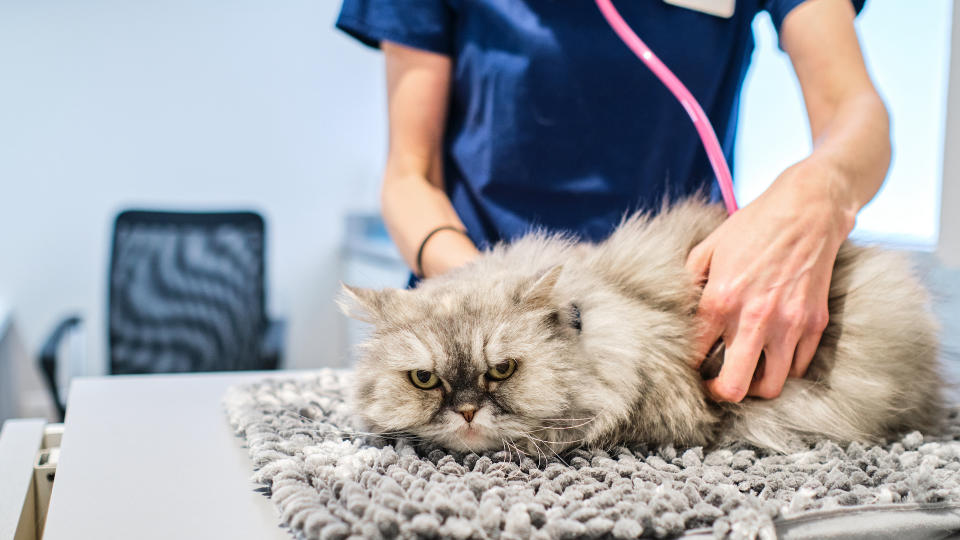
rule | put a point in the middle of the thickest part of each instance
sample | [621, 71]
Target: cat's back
[645, 255]
[882, 332]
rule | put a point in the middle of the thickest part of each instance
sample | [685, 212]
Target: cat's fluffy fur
[622, 374]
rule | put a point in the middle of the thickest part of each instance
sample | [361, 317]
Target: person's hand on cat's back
[768, 267]
[767, 271]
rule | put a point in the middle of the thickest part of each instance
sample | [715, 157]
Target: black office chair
[186, 294]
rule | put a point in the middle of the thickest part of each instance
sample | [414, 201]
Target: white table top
[154, 457]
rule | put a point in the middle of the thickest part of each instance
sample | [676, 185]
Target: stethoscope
[679, 91]
[711, 366]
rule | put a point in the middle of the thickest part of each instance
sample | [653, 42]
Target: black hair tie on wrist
[427, 238]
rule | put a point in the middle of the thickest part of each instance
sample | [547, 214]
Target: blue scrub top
[553, 123]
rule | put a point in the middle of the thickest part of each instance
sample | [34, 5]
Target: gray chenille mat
[329, 481]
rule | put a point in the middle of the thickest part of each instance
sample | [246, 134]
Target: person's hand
[767, 276]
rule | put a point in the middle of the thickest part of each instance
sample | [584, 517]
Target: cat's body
[598, 340]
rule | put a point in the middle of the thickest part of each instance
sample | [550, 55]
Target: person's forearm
[848, 120]
[412, 207]
[852, 148]
[412, 198]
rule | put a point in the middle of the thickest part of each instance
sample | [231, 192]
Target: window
[907, 49]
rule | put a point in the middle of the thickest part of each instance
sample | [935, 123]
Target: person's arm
[768, 267]
[413, 201]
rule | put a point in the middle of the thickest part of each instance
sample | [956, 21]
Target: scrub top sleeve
[421, 24]
[779, 9]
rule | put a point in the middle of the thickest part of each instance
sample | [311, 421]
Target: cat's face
[469, 368]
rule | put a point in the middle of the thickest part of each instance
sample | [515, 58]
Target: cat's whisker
[516, 449]
[506, 448]
[503, 442]
[540, 453]
[548, 448]
[520, 453]
[583, 421]
[561, 428]
[549, 444]
[529, 434]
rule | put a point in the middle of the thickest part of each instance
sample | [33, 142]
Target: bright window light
[907, 48]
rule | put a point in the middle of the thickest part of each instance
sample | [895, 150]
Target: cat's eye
[503, 370]
[424, 380]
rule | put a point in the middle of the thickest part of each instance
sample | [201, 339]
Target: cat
[546, 343]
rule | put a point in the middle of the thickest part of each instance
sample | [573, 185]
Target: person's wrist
[446, 249]
[827, 188]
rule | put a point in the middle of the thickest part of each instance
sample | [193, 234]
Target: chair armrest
[272, 344]
[48, 359]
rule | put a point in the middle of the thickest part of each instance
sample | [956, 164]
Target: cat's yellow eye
[503, 370]
[424, 380]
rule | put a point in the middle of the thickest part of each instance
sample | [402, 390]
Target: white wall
[175, 103]
[106, 104]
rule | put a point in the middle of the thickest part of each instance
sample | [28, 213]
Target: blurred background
[247, 105]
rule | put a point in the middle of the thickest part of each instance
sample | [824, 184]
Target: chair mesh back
[186, 292]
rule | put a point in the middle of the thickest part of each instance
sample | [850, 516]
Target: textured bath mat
[328, 482]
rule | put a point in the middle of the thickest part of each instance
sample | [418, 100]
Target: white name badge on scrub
[720, 8]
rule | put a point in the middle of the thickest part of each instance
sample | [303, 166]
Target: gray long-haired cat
[546, 343]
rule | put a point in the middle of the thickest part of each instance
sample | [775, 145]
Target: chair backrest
[186, 292]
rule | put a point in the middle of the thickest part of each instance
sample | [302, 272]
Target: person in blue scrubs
[506, 115]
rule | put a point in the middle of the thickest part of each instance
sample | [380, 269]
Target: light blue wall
[106, 104]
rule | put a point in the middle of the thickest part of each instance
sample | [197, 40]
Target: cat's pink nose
[467, 412]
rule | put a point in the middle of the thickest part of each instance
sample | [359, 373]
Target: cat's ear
[363, 304]
[541, 291]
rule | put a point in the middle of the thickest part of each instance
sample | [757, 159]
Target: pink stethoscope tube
[690, 104]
